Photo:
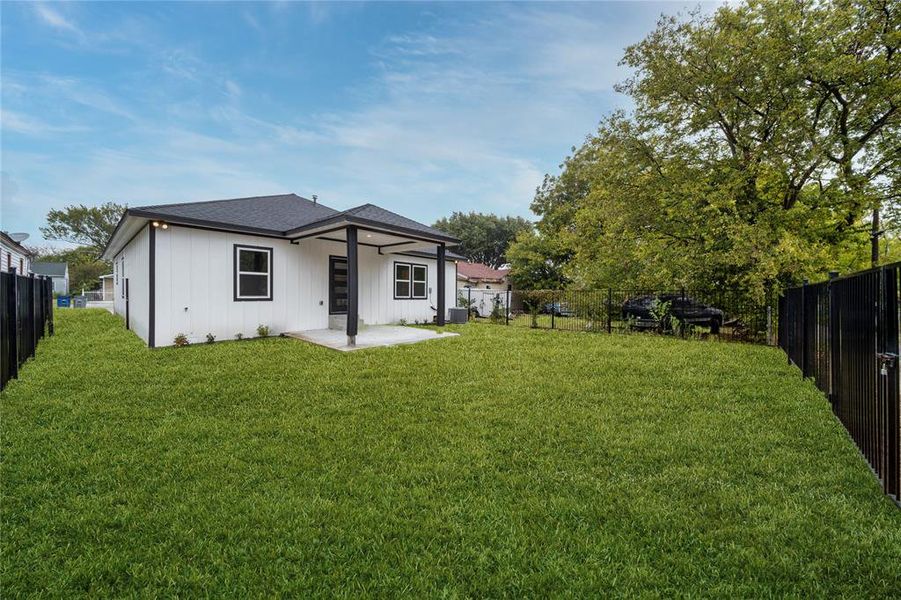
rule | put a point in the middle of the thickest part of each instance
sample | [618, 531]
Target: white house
[14, 255]
[227, 266]
[58, 272]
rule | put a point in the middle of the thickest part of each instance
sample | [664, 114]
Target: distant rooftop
[50, 269]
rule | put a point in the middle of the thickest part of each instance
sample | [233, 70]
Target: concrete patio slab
[371, 336]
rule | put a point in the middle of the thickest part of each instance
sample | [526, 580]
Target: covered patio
[389, 234]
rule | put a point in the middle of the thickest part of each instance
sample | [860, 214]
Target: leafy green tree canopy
[89, 226]
[484, 237]
[763, 148]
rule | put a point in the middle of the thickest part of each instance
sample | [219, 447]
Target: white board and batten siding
[132, 263]
[195, 292]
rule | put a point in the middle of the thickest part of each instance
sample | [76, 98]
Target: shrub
[210, 338]
[263, 330]
[239, 336]
[181, 340]
[497, 309]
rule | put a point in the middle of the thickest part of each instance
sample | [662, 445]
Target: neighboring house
[480, 277]
[107, 290]
[14, 255]
[482, 287]
[225, 267]
[59, 272]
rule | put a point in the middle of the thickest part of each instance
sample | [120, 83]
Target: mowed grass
[504, 462]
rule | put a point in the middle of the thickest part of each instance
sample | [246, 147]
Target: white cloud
[54, 19]
[85, 94]
[468, 115]
[28, 125]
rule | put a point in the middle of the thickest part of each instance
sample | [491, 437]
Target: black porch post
[441, 294]
[352, 286]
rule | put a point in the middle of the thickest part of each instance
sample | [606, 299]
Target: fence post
[682, 321]
[831, 323]
[553, 308]
[507, 307]
[609, 310]
[50, 308]
[468, 302]
[12, 306]
[804, 328]
[34, 330]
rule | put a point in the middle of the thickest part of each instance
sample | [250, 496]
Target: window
[122, 274]
[337, 291]
[116, 272]
[253, 273]
[401, 280]
[420, 277]
[22, 266]
[410, 281]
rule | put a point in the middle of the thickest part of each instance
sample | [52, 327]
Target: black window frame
[411, 281]
[236, 272]
[331, 281]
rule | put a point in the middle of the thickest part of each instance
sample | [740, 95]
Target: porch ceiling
[387, 243]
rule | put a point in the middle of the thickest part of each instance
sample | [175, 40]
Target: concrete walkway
[371, 336]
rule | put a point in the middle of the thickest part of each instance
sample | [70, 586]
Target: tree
[85, 268]
[764, 139]
[89, 226]
[484, 237]
[534, 263]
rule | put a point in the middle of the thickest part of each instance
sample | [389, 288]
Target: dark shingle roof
[376, 214]
[50, 269]
[282, 215]
[275, 214]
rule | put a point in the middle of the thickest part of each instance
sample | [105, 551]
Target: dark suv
[643, 311]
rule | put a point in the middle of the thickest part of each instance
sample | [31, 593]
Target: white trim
[267, 273]
[424, 281]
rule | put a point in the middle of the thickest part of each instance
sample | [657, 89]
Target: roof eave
[146, 214]
[343, 219]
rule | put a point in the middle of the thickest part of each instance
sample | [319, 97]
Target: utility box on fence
[458, 315]
[79, 301]
[62, 301]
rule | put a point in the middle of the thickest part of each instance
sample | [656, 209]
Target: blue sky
[420, 108]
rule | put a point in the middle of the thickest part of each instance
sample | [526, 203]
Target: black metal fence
[696, 314]
[26, 315]
[843, 333]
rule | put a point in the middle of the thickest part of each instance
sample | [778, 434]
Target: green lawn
[506, 461]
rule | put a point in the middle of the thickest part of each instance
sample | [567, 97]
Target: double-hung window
[410, 281]
[253, 273]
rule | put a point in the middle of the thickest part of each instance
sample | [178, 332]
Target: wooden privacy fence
[844, 333]
[26, 315]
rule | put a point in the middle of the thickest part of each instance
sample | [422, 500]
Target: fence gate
[844, 333]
